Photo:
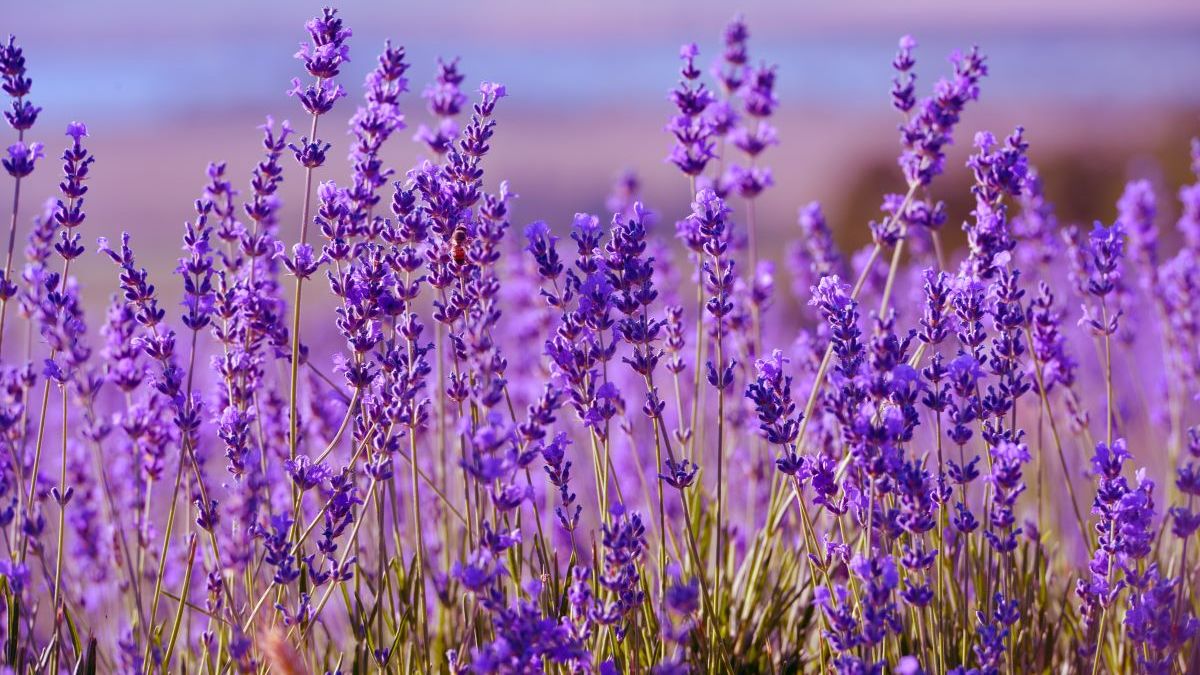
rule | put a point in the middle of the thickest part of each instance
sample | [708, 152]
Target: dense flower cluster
[500, 453]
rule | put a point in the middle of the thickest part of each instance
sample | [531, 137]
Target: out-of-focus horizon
[1107, 90]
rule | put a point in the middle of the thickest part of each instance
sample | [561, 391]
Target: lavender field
[375, 407]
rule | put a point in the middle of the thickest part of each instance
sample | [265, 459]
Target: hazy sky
[133, 60]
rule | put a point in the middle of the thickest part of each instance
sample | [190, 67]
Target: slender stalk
[720, 512]
[37, 455]
[187, 583]
[297, 296]
[714, 622]
[12, 241]
[110, 504]
[1108, 424]
[891, 277]
[1037, 373]
[62, 515]
[1184, 572]
[693, 433]
[755, 314]
[422, 613]
[1108, 373]
[185, 453]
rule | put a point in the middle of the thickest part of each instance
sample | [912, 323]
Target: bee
[459, 240]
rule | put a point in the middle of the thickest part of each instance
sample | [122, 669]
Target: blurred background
[1107, 90]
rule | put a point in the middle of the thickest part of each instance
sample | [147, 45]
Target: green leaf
[74, 631]
[14, 630]
[86, 665]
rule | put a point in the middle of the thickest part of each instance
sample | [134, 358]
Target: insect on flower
[460, 239]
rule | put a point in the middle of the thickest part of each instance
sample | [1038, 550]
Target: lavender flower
[22, 158]
[624, 545]
[926, 134]
[1106, 248]
[1136, 211]
[998, 173]
[903, 85]
[17, 85]
[419, 361]
[731, 70]
[693, 144]
[445, 100]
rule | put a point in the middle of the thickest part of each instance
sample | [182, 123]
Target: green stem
[12, 240]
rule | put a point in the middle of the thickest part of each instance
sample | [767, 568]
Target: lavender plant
[504, 457]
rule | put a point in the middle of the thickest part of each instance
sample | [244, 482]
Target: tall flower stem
[1037, 372]
[714, 623]
[1184, 572]
[897, 252]
[37, 451]
[1108, 373]
[293, 402]
[720, 513]
[1108, 394]
[693, 430]
[941, 565]
[12, 241]
[63, 499]
[421, 612]
[755, 312]
[470, 505]
[187, 583]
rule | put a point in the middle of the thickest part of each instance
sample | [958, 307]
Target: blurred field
[1104, 93]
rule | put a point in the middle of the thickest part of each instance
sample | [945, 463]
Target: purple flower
[753, 141]
[878, 576]
[749, 182]
[841, 314]
[1189, 200]
[17, 574]
[305, 474]
[17, 85]
[813, 254]
[1007, 481]
[492, 91]
[317, 98]
[480, 571]
[935, 323]
[445, 100]
[22, 158]
[1155, 623]
[732, 69]
[1107, 247]
[771, 393]
[999, 172]
[759, 92]
[328, 51]
[692, 131]
[1105, 250]
[679, 475]
[1136, 210]
[624, 545]
[903, 85]
[1049, 345]
[302, 263]
[930, 129]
